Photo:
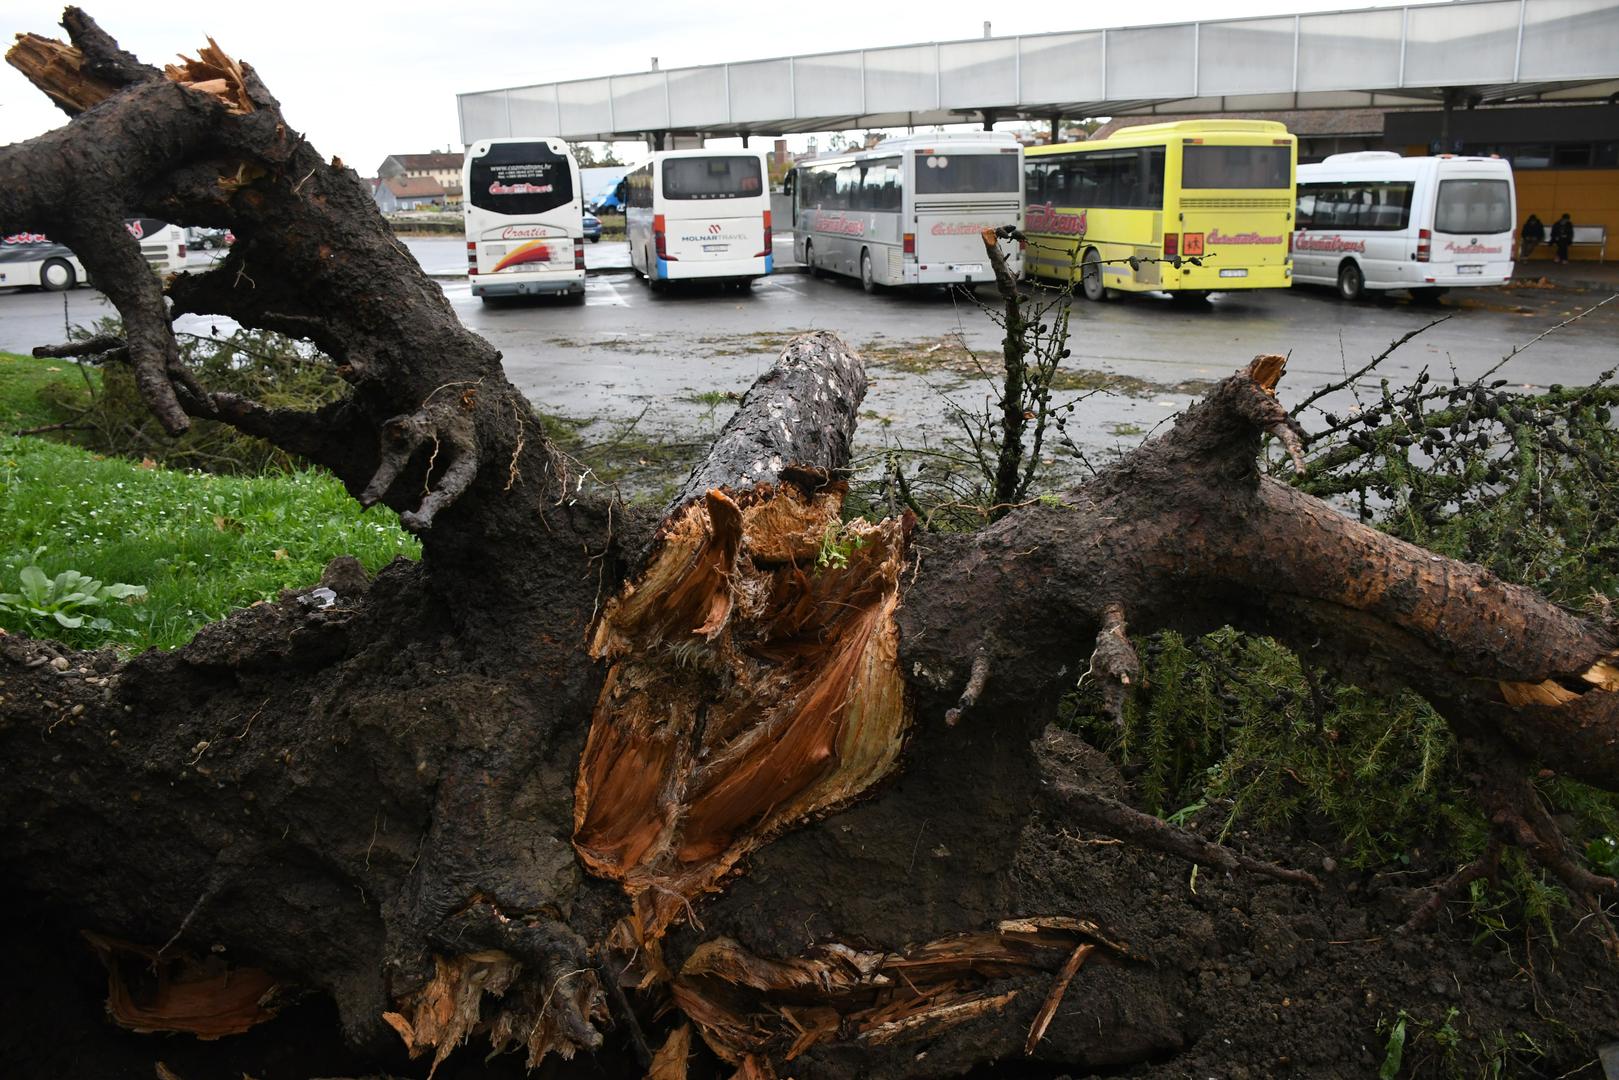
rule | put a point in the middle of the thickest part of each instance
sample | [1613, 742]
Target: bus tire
[867, 281]
[57, 275]
[1427, 296]
[1189, 297]
[809, 259]
[1351, 282]
[1090, 276]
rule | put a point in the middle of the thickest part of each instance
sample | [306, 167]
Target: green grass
[203, 545]
[23, 379]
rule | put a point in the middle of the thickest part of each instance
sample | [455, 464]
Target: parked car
[593, 227]
[201, 239]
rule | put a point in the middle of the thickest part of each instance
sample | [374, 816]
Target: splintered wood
[57, 69]
[213, 72]
[747, 1006]
[445, 1012]
[151, 991]
[754, 685]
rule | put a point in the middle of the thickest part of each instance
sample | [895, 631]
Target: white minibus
[911, 210]
[524, 218]
[692, 214]
[1373, 220]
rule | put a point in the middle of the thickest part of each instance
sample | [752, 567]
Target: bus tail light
[1172, 244]
[660, 238]
[910, 243]
[578, 254]
[769, 245]
[182, 251]
[472, 258]
[1424, 244]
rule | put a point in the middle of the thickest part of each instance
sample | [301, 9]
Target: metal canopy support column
[1405, 34]
[1517, 54]
[1297, 30]
[1197, 42]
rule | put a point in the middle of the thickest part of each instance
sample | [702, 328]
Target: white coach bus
[1374, 220]
[911, 210]
[691, 214]
[30, 258]
[524, 219]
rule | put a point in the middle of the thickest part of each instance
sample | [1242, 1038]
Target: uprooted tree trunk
[757, 774]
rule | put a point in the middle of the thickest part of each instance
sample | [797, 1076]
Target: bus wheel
[1351, 282]
[1189, 297]
[809, 259]
[1427, 296]
[867, 282]
[1090, 276]
[57, 275]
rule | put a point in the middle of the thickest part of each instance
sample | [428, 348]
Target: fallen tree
[580, 784]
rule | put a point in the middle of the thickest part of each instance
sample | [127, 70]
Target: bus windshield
[962, 174]
[1235, 166]
[712, 178]
[519, 179]
[1473, 206]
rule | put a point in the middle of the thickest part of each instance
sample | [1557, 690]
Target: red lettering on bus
[1044, 218]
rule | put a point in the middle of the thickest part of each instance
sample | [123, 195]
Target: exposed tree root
[1113, 818]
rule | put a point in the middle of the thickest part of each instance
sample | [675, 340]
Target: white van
[700, 214]
[1374, 220]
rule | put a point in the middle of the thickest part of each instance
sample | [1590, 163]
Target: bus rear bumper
[1210, 278]
[572, 283]
[701, 269]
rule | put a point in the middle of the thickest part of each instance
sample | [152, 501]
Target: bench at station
[1592, 236]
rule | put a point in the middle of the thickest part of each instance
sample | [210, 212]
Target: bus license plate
[1472, 268]
[716, 247]
[967, 268]
[1233, 273]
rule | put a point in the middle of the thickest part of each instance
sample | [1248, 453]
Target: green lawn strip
[34, 393]
[203, 545]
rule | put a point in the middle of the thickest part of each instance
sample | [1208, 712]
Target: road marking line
[597, 300]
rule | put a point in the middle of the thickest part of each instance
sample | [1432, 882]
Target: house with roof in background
[409, 193]
[442, 167]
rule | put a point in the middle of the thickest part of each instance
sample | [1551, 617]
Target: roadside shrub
[275, 370]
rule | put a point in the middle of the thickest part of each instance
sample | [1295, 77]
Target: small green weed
[66, 598]
[836, 549]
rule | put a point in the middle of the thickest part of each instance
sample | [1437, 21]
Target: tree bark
[564, 785]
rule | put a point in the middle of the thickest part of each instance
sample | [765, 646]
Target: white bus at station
[33, 259]
[524, 218]
[911, 210]
[1373, 220]
[692, 214]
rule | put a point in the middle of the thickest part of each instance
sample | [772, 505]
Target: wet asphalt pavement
[650, 369]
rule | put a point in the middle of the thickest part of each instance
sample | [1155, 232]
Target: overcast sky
[364, 80]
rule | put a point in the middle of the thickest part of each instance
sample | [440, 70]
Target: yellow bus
[1217, 190]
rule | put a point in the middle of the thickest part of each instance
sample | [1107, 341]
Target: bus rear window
[519, 179]
[1235, 166]
[965, 174]
[712, 178]
[1473, 206]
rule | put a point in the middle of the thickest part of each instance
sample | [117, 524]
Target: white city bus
[1374, 220]
[524, 218]
[30, 258]
[700, 214]
[910, 211]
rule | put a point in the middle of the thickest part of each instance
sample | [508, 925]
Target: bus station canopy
[1468, 52]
